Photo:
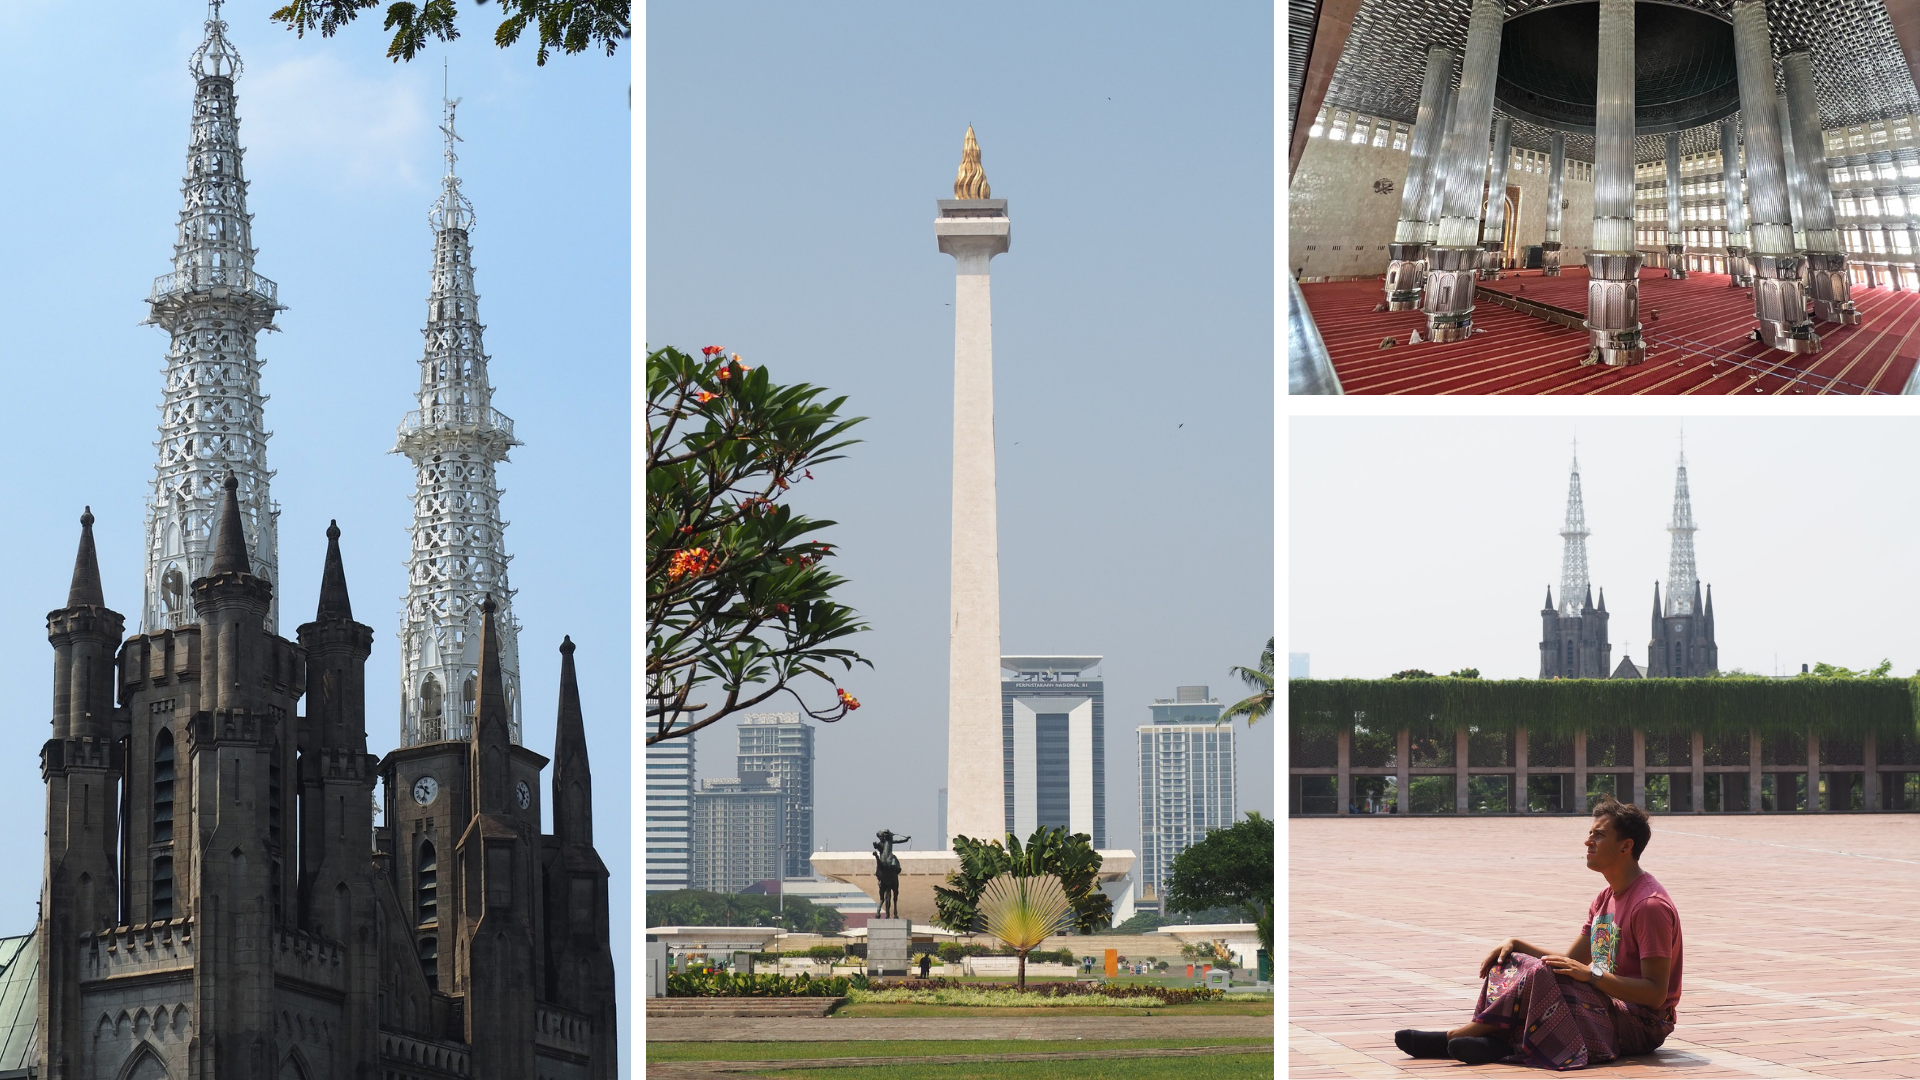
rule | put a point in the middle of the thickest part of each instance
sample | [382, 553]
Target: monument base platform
[887, 943]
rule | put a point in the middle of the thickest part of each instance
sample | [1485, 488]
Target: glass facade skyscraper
[781, 745]
[1053, 746]
[669, 824]
[1188, 781]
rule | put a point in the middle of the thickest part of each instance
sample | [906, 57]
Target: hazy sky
[344, 159]
[1428, 542]
[794, 156]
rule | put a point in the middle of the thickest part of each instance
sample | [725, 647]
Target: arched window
[428, 888]
[163, 887]
[1679, 659]
[163, 787]
[467, 697]
[431, 708]
[430, 961]
[173, 591]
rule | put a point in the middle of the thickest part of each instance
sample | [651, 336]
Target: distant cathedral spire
[1573, 558]
[455, 439]
[1682, 582]
[212, 306]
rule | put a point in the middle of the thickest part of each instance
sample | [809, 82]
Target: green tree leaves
[1261, 682]
[739, 601]
[572, 26]
[1231, 866]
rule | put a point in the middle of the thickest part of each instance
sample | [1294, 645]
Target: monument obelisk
[973, 227]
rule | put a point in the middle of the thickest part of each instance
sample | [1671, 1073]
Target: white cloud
[316, 116]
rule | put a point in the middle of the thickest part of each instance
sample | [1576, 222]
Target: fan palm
[1261, 682]
[1025, 911]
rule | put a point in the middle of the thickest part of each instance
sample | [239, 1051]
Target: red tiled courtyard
[1698, 344]
[1802, 938]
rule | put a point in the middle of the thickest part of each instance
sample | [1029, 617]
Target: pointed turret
[1603, 598]
[572, 776]
[491, 782]
[85, 590]
[1589, 604]
[1573, 559]
[230, 550]
[1681, 578]
[333, 581]
[1549, 604]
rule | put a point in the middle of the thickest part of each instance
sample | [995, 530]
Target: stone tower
[213, 307]
[973, 228]
[1682, 645]
[1573, 635]
[455, 439]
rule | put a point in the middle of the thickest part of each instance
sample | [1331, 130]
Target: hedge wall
[1657, 706]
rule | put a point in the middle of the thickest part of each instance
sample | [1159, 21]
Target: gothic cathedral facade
[217, 901]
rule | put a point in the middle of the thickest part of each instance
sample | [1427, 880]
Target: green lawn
[774, 1051]
[1262, 1007]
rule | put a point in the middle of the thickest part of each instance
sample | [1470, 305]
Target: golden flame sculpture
[972, 181]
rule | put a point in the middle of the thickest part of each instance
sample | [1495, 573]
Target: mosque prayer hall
[1603, 197]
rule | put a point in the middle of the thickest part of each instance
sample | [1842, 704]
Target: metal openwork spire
[213, 307]
[1681, 579]
[454, 439]
[1573, 559]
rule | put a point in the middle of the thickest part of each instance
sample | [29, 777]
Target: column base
[1406, 270]
[1613, 310]
[1780, 303]
[1739, 276]
[1829, 288]
[1448, 298]
[1677, 262]
[1490, 261]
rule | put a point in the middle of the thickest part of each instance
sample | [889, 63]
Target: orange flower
[847, 699]
[723, 374]
[703, 397]
[690, 562]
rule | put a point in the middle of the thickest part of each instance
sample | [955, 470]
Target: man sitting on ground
[1611, 995]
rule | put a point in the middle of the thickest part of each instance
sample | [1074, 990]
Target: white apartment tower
[455, 439]
[781, 745]
[1188, 781]
[669, 824]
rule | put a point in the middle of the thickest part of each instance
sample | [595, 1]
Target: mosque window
[1886, 170]
[1877, 131]
[1856, 136]
[1381, 132]
[1399, 136]
[1319, 127]
[1902, 242]
[1846, 207]
[1360, 126]
[1896, 206]
[1338, 130]
[1903, 129]
[1869, 206]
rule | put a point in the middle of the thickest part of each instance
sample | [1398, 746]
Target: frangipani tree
[1025, 911]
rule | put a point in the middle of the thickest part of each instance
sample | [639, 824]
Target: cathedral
[1573, 636]
[1602, 196]
[218, 901]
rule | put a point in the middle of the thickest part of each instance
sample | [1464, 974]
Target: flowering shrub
[727, 984]
[1107, 993]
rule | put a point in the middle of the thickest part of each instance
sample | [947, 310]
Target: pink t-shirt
[1641, 923]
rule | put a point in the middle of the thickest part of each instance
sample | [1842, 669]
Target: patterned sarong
[1560, 1023]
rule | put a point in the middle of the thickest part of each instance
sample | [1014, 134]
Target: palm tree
[1261, 682]
[1025, 911]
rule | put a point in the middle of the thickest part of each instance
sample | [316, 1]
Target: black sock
[1477, 1049]
[1421, 1044]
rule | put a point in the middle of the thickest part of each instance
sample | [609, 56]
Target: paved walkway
[834, 1029]
[1802, 938]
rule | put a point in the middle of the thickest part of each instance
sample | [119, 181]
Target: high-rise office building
[669, 824]
[737, 827]
[780, 745]
[1188, 781]
[1053, 745]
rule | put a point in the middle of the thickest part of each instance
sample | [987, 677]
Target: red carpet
[1700, 343]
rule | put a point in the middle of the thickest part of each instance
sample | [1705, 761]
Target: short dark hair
[1629, 822]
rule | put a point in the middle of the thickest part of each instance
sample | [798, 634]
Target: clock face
[524, 793]
[425, 790]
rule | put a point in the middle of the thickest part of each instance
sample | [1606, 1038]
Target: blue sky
[794, 153]
[343, 156]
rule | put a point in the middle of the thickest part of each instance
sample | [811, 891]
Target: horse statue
[886, 868]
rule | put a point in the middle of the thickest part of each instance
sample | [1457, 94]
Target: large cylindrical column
[1779, 299]
[1407, 255]
[1796, 183]
[1826, 257]
[1436, 195]
[1730, 173]
[1493, 225]
[1448, 299]
[1676, 234]
[1556, 188]
[1613, 264]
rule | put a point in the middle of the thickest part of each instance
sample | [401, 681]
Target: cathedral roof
[1626, 670]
